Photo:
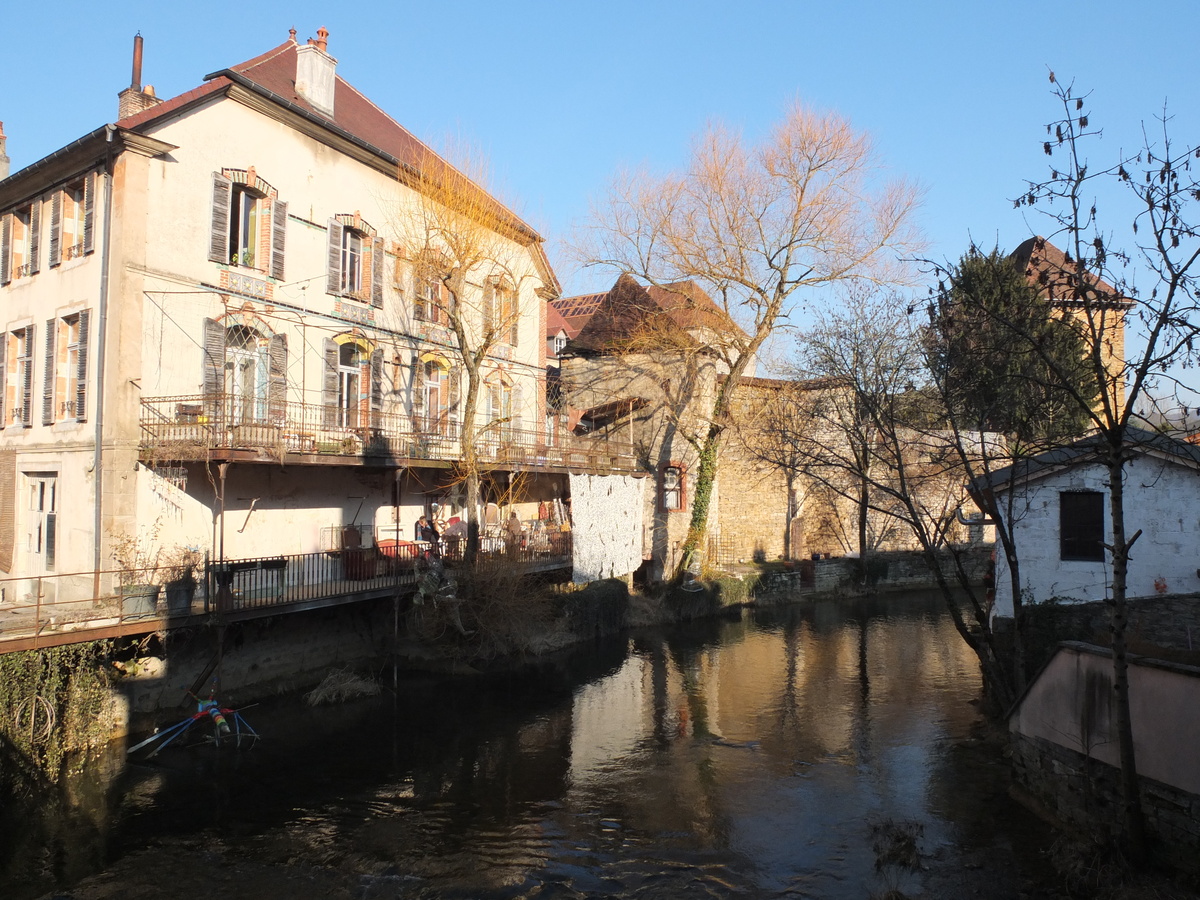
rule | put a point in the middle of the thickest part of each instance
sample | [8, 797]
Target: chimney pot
[292, 35]
[323, 39]
[136, 83]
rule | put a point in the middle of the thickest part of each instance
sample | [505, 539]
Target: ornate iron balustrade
[199, 427]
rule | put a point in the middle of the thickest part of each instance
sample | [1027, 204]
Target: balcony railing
[57, 609]
[199, 427]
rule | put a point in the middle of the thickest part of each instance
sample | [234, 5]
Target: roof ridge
[258, 60]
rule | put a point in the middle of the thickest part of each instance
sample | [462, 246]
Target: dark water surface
[773, 756]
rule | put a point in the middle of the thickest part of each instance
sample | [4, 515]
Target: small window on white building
[1081, 525]
[356, 260]
[19, 242]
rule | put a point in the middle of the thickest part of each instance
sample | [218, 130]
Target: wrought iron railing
[195, 426]
[65, 608]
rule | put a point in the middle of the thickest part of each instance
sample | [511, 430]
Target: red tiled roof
[574, 312]
[1048, 269]
[355, 115]
[554, 322]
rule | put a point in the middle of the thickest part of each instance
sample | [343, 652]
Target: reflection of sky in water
[735, 757]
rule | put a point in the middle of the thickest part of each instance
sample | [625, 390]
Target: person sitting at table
[427, 531]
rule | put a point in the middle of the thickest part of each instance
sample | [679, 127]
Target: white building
[227, 328]
[1061, 522]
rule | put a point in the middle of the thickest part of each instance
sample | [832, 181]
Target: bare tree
[1147, 278]
[753, 225]
[881, 438]
[476, 272]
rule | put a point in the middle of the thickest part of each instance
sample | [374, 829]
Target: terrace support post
[222, 470]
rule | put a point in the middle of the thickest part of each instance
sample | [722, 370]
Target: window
[18, 377]
[353, 385]
[356, 260]
[19, 242]
[64, 391]
[671, 484]
[435, 397]
[429, 303]
[1081, 525]
[249, 222]
[43, 521]
[245, 371]
[500, 311]
[72, 211]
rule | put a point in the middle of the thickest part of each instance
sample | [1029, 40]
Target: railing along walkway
[53, 610]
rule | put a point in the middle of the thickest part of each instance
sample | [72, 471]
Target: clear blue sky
[560, 95]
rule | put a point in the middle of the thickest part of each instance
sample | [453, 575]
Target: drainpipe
[101, 348]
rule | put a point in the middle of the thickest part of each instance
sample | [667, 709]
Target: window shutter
[8, 507]
[455, 398]
[222, 200]
[49, 373]
[377, 272]
[85, 317]
[56, 229]
[489, 308]
[27, 386]
[418, 392]
[329, 385]
[278, 237]
[376, 385]
[4, 410]
[517, 410]
[214, 367]
[334, 279]
[5, 249]
[35, 233]
[515, 312]
[89, 212]
[277, 379]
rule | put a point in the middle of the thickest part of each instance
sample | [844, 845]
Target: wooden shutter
[56, 229]
[218, 236]
[515, 412]
[6, 249]
[418, 393]
[514, 314]
[214, 367]
[27, 376]
[377, 272]
[5, 411]
[35, 232]
[333, 281]
[489, 309]
[49, 373]
[376, 386]
[329, 384]
[277, 379]
[455, 400]
[89, 212]
[81, 373]
[8, 507]
[278, 238]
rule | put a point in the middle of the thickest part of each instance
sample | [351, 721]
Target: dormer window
[249, 222]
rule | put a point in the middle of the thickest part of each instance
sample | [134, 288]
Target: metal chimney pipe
[136, 84]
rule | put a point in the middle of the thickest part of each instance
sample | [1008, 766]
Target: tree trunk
[706, 476]
[1134, 823]
[470, 464]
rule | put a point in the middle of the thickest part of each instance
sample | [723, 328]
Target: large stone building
[229, 327]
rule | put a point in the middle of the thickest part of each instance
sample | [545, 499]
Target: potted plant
[137, 569]
[178, 575]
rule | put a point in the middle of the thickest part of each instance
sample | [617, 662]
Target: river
[824, 750]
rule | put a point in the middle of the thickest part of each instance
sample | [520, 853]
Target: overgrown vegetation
[56, 701]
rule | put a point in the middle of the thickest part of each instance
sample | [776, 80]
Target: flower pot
[139, 600]
[180, 594]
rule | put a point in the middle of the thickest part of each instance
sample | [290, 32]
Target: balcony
[197, 427]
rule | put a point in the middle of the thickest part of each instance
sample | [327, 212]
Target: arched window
[245, 370]
[353, 383]
[435, 396]
[246, 365]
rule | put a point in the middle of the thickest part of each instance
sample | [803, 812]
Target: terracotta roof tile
[1046, 267]
[169, 106]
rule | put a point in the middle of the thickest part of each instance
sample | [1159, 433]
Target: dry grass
[341, 685]
[1099, 871]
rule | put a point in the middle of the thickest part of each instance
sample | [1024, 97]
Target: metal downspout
[101, 347]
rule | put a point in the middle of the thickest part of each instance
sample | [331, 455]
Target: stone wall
[1086, 793]
[1168, 622]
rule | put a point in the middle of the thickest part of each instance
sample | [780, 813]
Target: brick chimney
[134, 99]
[4, 160]
[315, 73]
